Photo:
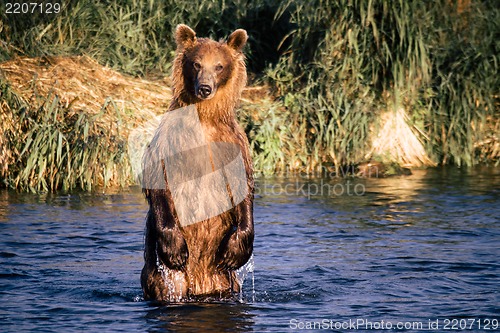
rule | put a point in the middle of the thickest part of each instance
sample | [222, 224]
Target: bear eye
[197, 66]
[219, 68]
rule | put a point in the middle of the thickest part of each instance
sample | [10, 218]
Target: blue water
[417, 249]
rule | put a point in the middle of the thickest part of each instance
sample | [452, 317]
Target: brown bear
[199, 260]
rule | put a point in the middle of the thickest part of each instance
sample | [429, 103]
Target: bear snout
[204, 91]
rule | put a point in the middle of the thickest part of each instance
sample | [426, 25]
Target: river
[410, 253]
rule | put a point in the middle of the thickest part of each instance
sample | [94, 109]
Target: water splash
[172, 280]
[241, 275]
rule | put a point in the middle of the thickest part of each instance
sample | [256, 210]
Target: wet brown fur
[201, 258]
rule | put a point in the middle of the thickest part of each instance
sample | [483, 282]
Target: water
[418, 249]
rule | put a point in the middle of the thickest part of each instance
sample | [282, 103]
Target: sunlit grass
[346, 70]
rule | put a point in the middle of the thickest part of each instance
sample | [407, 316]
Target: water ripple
[419, 248]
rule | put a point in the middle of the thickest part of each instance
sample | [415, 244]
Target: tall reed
[135, 36]
[348, 61]
[54, 147]
[463, 100]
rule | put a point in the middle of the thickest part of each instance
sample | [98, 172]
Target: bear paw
[172, 249]
[235, 250]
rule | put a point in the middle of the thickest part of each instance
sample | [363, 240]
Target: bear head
[206, 65]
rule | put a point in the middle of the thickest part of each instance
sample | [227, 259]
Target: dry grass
[84, 85]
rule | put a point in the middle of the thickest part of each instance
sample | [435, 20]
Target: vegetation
[135, 36]
[67, 122]
[345, 76]
[57, 148]
[437, 61]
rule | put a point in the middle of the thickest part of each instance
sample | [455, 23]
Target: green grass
[335, 67]
[135, 36]
[349, 61]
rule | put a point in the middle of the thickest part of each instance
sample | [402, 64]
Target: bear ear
[237, 40]
[184, 36]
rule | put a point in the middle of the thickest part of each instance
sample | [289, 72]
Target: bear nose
[204, 90]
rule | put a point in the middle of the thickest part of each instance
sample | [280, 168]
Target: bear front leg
[171, 246]
[237, 245]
